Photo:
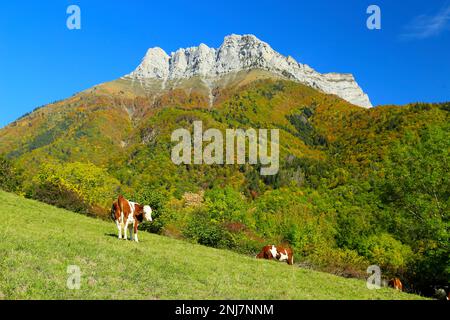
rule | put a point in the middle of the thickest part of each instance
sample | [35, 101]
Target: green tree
[385, 251]
[9, 177]
[225, 204]
[416, 189]
[92, 184]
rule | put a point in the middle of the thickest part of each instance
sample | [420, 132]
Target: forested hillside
[355, 187]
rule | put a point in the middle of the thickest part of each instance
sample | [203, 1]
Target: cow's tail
[120, 201]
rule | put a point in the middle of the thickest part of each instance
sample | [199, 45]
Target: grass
[38, 242]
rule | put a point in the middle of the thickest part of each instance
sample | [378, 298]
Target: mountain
[356, 186]
[238, 53]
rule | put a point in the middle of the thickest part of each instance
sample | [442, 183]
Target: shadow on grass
[115, 236]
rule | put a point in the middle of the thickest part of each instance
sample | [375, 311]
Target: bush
[9, 177]
[385, 251]
[225, 204]
[431, 268]
[271, 211]
[59, 196]
[91, 184]
[289, 216]
[353, 224]
[342, 262]
[203, 230]
[157, 200]
[245, 244]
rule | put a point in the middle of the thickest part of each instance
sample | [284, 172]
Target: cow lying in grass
[126, 213]
[278, 253]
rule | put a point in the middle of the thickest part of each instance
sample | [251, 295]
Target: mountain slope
[38, 242]
[116, 124]
[355, 187]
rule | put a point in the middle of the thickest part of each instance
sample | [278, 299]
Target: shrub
[353, 224]
[157, 200]
[432, 267]
[203, 230]
[225, 204]
[9, 177]
[386, 252]
[91, 184]
[247, 244]
[287, 216]
[59, 196]
[342, 262]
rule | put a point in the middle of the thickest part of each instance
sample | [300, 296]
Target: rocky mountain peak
[243, 52]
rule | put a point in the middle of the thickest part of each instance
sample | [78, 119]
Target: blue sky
[42, 61]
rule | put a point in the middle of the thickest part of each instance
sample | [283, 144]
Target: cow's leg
[130, 228]
[136, 231]
[131, 232]
[121, 224]
[125, 229]
[119, 227]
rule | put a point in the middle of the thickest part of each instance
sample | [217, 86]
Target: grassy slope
[38, 242]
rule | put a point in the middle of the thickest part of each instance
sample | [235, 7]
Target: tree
[9, 176]
[90, 183]
[416, 189]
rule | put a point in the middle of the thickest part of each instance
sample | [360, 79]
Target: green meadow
[38, 242]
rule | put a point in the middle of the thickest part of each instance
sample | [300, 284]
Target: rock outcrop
[239, 53]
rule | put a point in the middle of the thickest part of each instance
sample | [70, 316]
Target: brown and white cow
[277, 252]
[127, 213]
[396, 284]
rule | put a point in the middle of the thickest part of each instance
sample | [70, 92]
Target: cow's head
[148, 213]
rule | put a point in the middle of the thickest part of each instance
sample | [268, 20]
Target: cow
[127, 213]
[396, 284]
[267, 252]
[285, 254]
[278, 253]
